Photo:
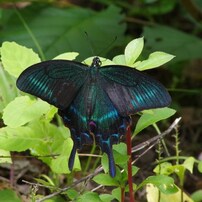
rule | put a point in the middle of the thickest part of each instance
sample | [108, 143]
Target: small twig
[154, 139]
[139, 21]
[22, 173]
[4, 179]
[96, 188]
[98, 170]
[47, 156]
[40, 185]
[39, 156]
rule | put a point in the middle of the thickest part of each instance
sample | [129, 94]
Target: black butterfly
[95, 102]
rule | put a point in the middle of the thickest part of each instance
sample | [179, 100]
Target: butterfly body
[94, 102]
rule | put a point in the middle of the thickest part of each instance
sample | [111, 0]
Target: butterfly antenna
[108, 46]
[90, 42]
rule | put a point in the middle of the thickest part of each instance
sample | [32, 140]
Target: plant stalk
[129, 152]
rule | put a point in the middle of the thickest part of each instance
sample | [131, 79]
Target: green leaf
[59, 30]
[183, 45]
[163, 168]
[60, 163]
[155, 59]
[105, 179]
[153, 195]
[89, 196]
[119, 59]
[106, 197]
[23, 110]
[200, 166]
[20, 139]
[44, 182]
[66, 56]
[4, 153]
[189, 164]
[51, 113]
[120, 148]
[148, 119]
[55, 199]
[133, 50]
[72, 193]
[16, 58]
[179, 170]
[8, 195]
[164, 183]
[54, 140]
[8, 90]
[119, 158]
[117, 193]
[197, 196]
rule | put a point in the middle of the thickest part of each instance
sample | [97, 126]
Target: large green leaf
[62, 30]
[9, 195]
[153, 195]
[55, 140]
[16, 58]
[164, 183]
[156, 115]
[183, 45]
[22, 110]
[20, 139]
[155, 59]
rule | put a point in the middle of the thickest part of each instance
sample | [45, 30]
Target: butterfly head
[96, 62]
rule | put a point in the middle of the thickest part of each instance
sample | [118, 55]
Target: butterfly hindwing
[55, 81]
[131, 90]
[93, 117]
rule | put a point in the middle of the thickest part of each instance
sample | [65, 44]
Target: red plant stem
[122, 194]
[129, 152]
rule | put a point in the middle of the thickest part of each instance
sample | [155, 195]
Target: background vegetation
[54, 27]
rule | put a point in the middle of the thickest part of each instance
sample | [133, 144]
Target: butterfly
[94, 102]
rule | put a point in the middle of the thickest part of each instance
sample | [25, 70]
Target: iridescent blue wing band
[131, 90]
[55, 81]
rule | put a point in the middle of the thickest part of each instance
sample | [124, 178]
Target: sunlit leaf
[23, 110]
[148, 119]
[16, 58]
[164, 183]
[153, 195]
[155, 59]
[133, 50]
[189, 164]
[66, 56]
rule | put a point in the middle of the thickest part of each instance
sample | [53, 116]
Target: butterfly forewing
[55, 81]
[131, 90]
